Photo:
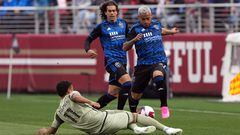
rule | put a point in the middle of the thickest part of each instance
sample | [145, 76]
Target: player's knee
[158, 73]
[160, 83]
[127, 86]
[113, 93]
[136, 96]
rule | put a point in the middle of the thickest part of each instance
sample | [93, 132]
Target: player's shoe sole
[144, 130]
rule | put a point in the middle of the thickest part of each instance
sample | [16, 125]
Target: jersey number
[73, 116]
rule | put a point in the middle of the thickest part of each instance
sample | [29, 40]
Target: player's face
[111, 13]
[70, 89]
[145, 19]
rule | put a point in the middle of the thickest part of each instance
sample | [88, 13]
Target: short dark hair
[62, 88]
[103, 8]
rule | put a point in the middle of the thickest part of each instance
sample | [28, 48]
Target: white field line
[158, 109]
[201, 111]
[191, 110]
[18, 125]
[49, 61]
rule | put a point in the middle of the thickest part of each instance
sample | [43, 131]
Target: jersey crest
[120, 24]
[156, 27]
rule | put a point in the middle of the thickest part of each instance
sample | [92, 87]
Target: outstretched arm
[53, 128]
[76, 97]
[47, 131]
[169, 31]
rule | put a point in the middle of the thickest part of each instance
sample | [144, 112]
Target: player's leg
[126, 82]
[114, 111]
[148, 121]
[108, 97]
[121, 78]
[142, 77]
[114, 85]
[120, 119]
[141, 130]
[161, 87]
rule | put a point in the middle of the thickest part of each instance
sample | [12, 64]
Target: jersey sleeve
[57, 121]
[96, 32]
[160, 26]
[93, 35]
[73, 94]
[127, 29]
[131, 34]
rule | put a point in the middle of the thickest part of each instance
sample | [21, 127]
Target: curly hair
[103, 8]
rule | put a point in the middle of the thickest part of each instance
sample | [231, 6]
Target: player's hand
[42, 131]
[92, 53]
[138, 37]
[175, 30]
[95, 105]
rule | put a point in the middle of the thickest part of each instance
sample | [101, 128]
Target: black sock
[122, 98]
[123, 94]
[133, 103]
[105, 99]
[162, 89]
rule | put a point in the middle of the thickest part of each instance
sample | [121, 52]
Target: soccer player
[152, 61]
[80, 112]
[112, 33]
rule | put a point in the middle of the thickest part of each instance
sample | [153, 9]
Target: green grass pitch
[24, 114]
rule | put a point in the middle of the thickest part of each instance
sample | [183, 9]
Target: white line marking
[49, 61]
[202, 111]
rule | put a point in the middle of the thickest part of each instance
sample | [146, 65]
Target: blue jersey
[112, 36]
[149, 49]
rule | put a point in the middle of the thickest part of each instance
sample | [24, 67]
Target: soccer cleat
[144, 130]
[165, 112]
[173, 131]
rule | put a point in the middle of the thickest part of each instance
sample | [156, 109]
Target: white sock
[148, 121]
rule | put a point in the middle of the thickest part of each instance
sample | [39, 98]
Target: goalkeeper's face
[111, 13]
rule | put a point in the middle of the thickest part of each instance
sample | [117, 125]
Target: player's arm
[77, 97]
[132, 38]
[46, 131]
[92, 36]
[172, 31]
[53, 128]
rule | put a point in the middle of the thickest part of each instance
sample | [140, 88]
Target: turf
[24, 114]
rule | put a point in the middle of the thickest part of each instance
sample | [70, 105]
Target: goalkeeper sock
[105, 99]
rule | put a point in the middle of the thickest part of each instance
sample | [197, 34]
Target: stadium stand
[191, 16]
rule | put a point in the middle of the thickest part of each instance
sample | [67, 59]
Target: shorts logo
[117, 64]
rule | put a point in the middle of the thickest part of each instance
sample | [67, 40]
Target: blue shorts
[116, 71]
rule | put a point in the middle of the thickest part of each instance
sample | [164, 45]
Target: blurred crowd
[86, 18]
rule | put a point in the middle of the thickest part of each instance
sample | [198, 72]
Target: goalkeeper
[80, 112]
